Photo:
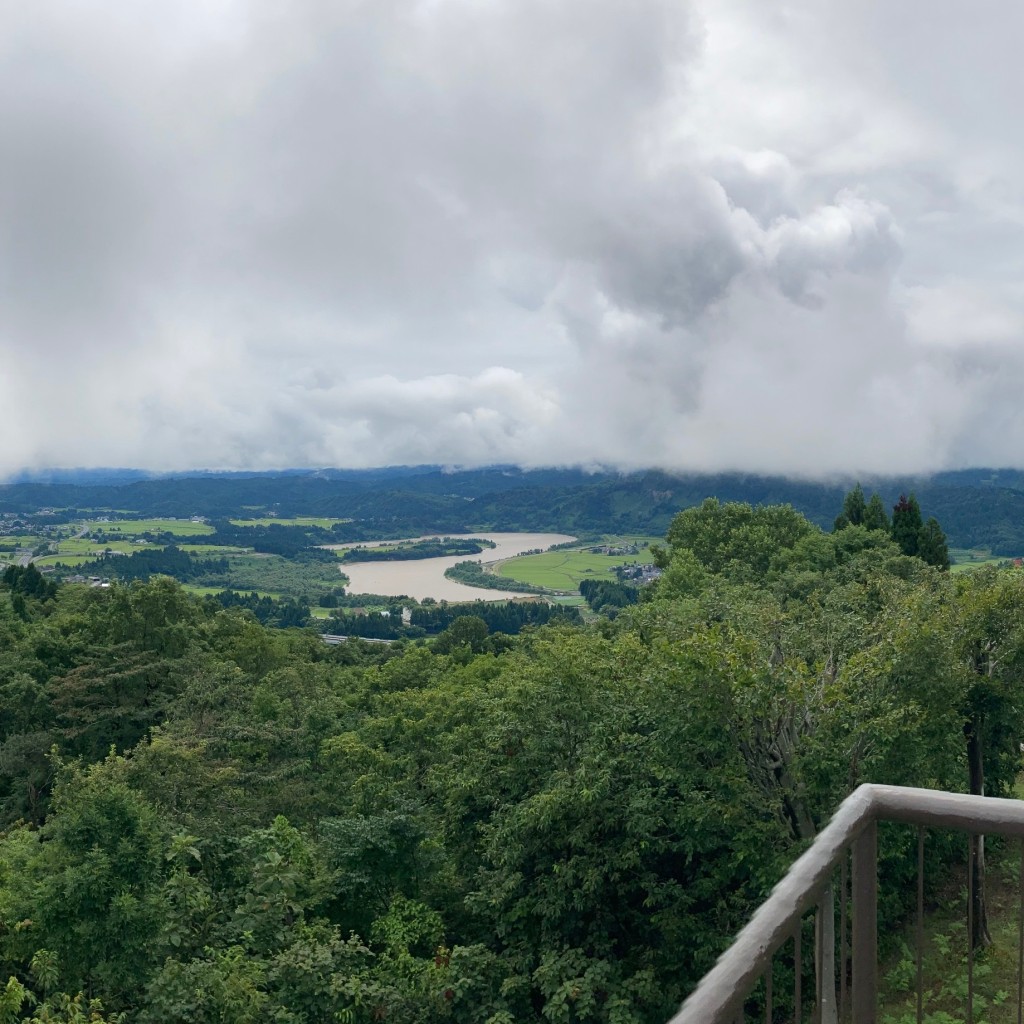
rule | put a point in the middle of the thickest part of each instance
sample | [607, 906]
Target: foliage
[435, 547]
[205, 818]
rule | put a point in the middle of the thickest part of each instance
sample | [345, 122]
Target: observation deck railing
[722, 993]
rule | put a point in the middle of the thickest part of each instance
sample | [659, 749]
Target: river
[424, 577]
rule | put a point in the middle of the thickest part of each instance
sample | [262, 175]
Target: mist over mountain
[976, 507]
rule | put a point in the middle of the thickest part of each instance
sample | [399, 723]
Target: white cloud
[711, 235]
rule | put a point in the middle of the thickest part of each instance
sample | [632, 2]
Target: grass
[212, 591]
[970, 558]
[64, 559]
[945, 971]
[564, 570]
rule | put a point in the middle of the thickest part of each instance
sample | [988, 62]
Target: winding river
[424, 577]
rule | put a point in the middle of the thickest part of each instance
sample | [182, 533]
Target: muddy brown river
[424, 577]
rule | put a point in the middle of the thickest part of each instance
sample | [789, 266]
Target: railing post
[865, 926]
[825, 957]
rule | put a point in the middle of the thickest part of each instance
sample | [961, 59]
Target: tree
[854, 509]
[987, 623]
[931, 545]
[875, 517]
[469, 631]
[720, 535]
[906, 524]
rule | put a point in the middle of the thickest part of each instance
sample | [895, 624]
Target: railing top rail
[721, 992]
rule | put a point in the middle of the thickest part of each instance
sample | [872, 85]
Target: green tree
[734, 534]
[854, 509]
[875, 516]
[906, 524]
[87, 886]
[931, 544]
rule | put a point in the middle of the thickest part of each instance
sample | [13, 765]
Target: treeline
[435, 547]
[203, 819]
[500, 616]
[977, 507]
[273, 539]
[604, 594]
[473, 574]
[431, 619]
[147, 562]
[268, 611]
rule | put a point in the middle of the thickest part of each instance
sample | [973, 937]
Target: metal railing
[721, 994]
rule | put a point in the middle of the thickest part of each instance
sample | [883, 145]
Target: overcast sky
[723, 234]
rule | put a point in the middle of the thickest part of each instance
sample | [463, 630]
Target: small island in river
[422, 547]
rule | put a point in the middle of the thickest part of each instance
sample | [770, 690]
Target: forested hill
[204, 820]
[976, 507]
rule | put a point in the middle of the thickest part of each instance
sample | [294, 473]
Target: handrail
[720, 994]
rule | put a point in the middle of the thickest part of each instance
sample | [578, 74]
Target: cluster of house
[638, 574]
[616, 549]
[92, 581]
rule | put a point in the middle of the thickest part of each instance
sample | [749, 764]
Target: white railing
[721, 994]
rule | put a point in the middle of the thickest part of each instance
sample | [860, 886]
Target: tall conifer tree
[906, 524]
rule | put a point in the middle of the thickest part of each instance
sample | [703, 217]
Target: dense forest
[977, 508]
[205, 819]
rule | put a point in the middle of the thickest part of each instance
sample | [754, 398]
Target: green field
[324, 524]
[133, 527]
[971, 558]
[21, 540]
[212, 591]
[63, 559]
[565, 570]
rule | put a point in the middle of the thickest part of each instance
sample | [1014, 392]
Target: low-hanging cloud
[238, 235]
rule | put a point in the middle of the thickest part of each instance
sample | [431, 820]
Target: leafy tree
[468, 631]
[87, 886]
[719, 535]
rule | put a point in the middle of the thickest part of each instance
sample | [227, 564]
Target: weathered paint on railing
[721, 993]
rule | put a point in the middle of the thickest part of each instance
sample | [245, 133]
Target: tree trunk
[980, 936]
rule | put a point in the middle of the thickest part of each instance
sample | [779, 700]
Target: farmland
[135, 527]
[563, 570]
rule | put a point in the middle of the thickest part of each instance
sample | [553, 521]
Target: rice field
[971, 558]
[63, 559]
[213, 591]
[133, 527]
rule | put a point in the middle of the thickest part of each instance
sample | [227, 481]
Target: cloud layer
[709, 236]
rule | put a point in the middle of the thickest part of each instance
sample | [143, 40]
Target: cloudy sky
[717, 234]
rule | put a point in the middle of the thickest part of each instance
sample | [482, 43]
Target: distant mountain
[976, 507]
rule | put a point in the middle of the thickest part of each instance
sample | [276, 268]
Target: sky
[709, 235]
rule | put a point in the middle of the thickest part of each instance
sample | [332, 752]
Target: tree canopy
[204, 818]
